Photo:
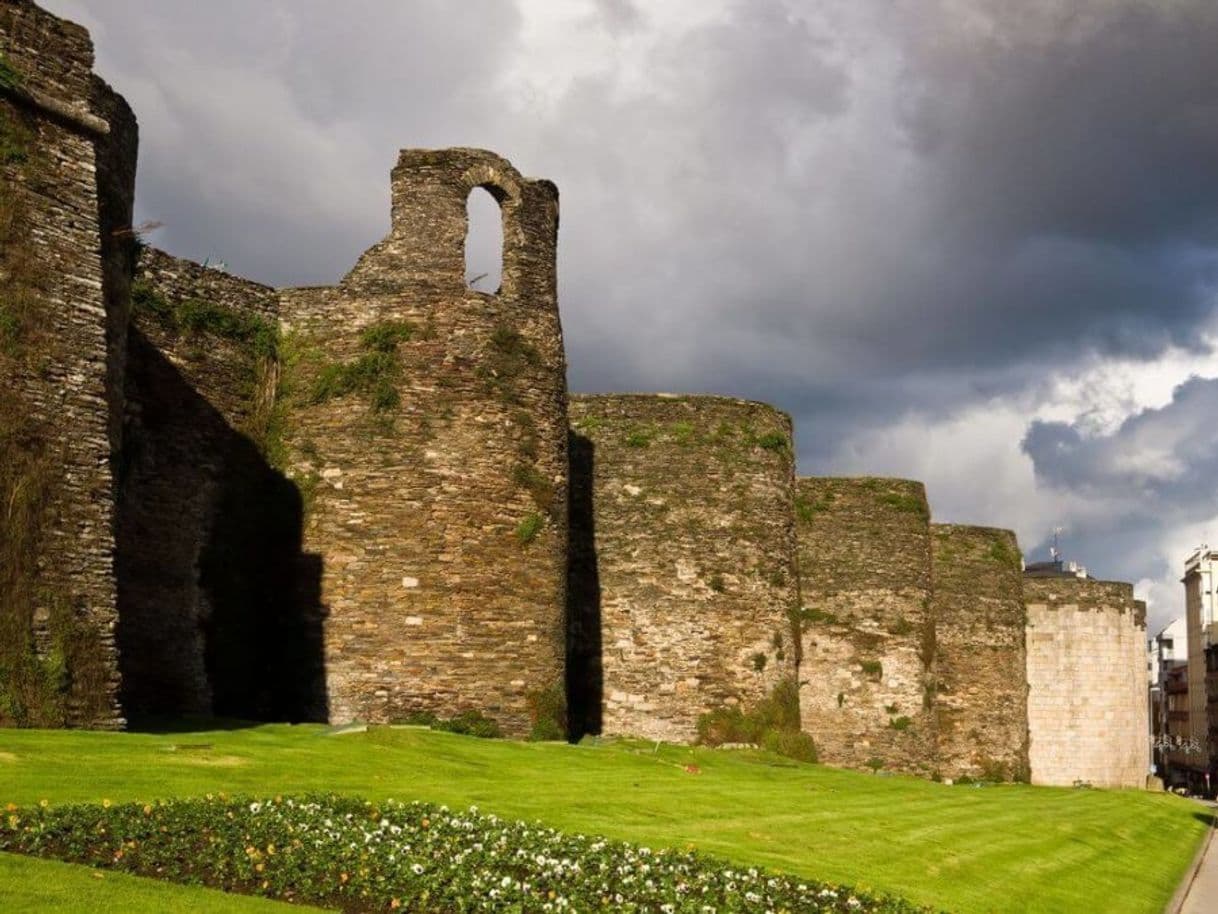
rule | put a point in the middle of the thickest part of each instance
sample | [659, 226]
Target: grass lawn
[980, 850]
[48, 885]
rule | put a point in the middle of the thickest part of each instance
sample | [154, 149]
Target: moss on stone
[10, 78]
[529, 527]
[193, 316]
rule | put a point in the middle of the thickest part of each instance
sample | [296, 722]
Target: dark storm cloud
[1157, 472]
[1166, 458]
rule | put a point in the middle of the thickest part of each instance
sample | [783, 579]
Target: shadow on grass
[1208, 818]
[186, 723]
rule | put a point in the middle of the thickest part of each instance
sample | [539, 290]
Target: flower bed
[362, 856]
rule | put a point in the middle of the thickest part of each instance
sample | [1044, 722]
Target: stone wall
[683, 576]
[867, 628]
[981, 721]
[427, 423]
[62, 134]
[213, 591]
[1087, 711]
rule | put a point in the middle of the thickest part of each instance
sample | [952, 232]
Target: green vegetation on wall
[48, 654]
[9, 77]
[193, 316]
[1003, 553]
[772, 723]
[375, 374]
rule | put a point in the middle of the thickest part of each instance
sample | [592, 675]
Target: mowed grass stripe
[971, 850]
[51, 887]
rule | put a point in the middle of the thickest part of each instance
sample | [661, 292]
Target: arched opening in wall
[483, 241]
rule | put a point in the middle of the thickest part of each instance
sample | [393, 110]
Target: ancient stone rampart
[1087, 711]
[67, 166]
[981, 720]
[683, 576]
[427, 423]
[867, 629]
[355, 502]
[213, 614]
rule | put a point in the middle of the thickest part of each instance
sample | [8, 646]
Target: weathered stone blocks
[428, 422]
[67, 165]
[867, 628]
[981, 718]
[1087, 707]
[683, 575]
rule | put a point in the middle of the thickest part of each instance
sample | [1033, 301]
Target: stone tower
[683, 574]
[426, 424]
[67, 174]
[866, 672]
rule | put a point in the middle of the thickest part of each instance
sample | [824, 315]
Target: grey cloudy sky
[969, 241]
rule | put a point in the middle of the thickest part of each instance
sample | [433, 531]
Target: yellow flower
[44, 803]
[147, 810]
[270, 849]
[105, 803]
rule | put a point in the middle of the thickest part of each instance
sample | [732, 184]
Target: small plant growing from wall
[528, 528]
[759, 662]
[374, 374]
[638, 438]
[9, 77]
[872, 668]
[774, 441]
[900, 724]
[908, 504]
[716, 583]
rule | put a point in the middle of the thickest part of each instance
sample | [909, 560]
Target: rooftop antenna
[1054, 552]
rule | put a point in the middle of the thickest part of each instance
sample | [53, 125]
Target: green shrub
[774, 441]
[872, 668]
[374, 374]
[901, 723]
[528, 528]
[548, 711]
[467, 723]
[792, 743]
[777, 713]
[638, 438]
[385, 336]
